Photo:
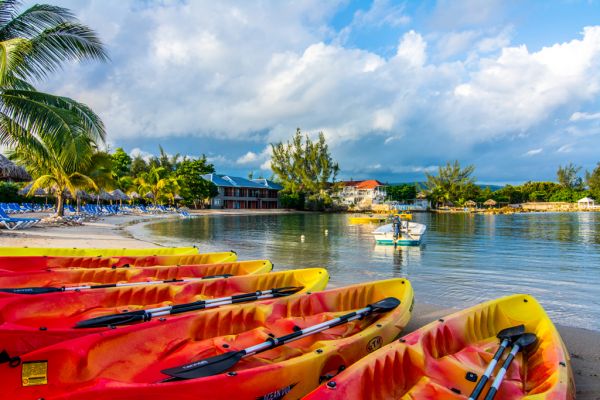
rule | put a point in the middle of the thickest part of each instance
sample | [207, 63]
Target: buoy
[302, 238]
[326, 232]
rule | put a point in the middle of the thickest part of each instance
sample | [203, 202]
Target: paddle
[42, 290]
[522, 343]
[221, 363]
[506, 336]
[147, 315]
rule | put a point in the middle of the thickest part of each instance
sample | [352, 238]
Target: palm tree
[158, 182]
[33, 44]
[50, 169]
[446, 186]
[99, 170]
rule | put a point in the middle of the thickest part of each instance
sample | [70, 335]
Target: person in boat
[396, 225]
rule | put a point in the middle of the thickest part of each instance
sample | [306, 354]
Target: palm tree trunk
[78, 204]
[60, 204]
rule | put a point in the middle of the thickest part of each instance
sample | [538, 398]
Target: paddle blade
[206, 367]
[286, 291]
[113, 319]
[526, 341]
[385, 305]
[511, 333]
[32, 290]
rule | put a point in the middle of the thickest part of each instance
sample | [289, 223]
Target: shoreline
[116, 231]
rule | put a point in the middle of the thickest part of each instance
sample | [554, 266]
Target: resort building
[362, 193]
[236, 192]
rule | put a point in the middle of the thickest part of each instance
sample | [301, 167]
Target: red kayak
[9, 264]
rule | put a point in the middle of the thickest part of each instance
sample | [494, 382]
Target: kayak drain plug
[331, 384]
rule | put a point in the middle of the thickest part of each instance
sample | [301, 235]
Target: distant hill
[422, 184]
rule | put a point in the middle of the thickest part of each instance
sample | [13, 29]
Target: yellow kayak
[95, 252]
[447, 358]
[367, 220]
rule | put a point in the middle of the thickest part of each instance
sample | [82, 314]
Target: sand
[584, 345]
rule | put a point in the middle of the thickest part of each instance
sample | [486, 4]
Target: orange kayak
[10, 264]
[445, 359]
[28, 322]
[127, 362]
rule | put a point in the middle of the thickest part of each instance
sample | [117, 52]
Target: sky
[397, 87]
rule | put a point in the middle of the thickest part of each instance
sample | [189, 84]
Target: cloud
[135, 152]
[583, 116]
[534, 152]
[241, 72]
[247, 158]
[567, 148]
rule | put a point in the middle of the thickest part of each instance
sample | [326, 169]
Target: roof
[10, 171]
[585, 200]
[369, 184]
[236, 181]
[268, 184]
[351, 183]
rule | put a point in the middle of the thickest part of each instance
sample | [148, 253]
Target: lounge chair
[16, 223]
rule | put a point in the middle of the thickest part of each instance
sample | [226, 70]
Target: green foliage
[121, 163]
[402, 192]
[305, 168]
[194, 189]
[593, 181]
[291, 200]
[567, 177]
[452, 184]
[139, 166]
[9, 192]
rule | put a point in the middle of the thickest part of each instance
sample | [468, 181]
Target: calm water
[465, 259]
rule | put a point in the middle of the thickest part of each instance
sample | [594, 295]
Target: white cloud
[247, 158]
[567, 148]
[583, 116]
[135, 152]
[534, 152]
[412, 49]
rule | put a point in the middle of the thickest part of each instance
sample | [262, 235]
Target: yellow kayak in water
[95, 252]
[367, 220]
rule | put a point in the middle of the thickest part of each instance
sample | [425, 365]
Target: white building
[362, 193]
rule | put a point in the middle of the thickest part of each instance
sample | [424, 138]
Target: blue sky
[398, 88]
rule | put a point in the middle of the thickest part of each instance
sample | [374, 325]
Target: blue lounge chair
[16, 223]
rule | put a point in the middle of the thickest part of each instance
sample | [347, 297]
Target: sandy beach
[113, 232]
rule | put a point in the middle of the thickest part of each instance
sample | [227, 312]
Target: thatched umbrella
[38, 193]
[9, 171]
[149, 195]
[118, 194]
[470, 203]
[421, 195]
[177, 197]
[490, 203]
[134, 195]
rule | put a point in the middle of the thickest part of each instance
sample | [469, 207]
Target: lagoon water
[465, 259]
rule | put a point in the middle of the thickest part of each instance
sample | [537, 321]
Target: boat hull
[434, 361]
[22, 318]
[95, 252]
[126, 363]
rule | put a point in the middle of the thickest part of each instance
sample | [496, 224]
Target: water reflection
[465, 258]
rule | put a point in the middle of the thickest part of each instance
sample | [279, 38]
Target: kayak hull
[94, 366]
[433, 362]
[399, 242]
[366, 220]
[20, 264]
[22, 318]
[95, 252]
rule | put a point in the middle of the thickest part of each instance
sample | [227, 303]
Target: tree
[33, 44]
[450, 181]
[402, 192]
[139, 166]
[593, 181]
[567, 177]
[159, 183]
[57, 165]
[121, 163]
[305, 168]
[194, 188]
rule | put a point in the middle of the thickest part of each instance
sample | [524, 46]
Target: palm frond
[8, 10]
[65, 42]
[34, 20]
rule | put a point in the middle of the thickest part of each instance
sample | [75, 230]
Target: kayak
[127, 362]
[443, 360]
[75, 277]
[95, 252]
[367, 220]
[38, 263]
[31, 322]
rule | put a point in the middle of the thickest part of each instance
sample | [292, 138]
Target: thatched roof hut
[38, 193]
[490, 203]
[421, 195]
[119, 195]
[9, 171]
[470, 203]
[134, 195]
